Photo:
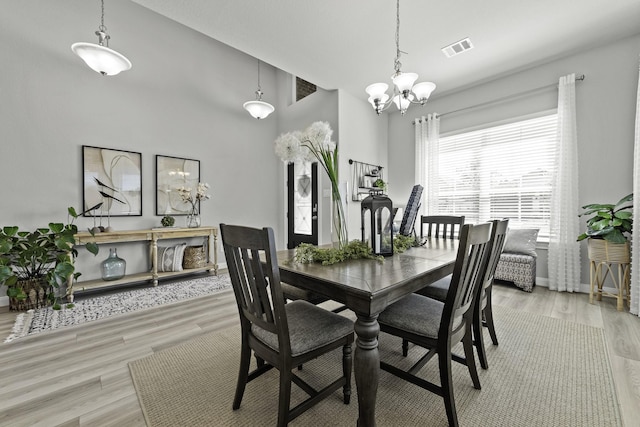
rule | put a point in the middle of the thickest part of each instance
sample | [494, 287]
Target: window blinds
[504, 171]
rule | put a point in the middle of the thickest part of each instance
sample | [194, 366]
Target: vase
[113, 268]
[339, 235]
[193, 220]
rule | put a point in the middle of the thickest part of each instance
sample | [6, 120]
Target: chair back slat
[468, 273]
[255, 278]
[499, 232]
[441, 226]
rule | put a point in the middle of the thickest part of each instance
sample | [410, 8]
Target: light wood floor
[79, 376]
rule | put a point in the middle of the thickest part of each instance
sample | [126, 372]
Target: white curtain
[564, 251]
[635, 235]
[427, 136]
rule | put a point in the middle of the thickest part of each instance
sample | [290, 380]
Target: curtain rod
[504, 98]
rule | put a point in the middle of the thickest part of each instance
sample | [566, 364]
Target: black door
[302, 203]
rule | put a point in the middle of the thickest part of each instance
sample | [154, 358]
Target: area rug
[545, 372]
[100, 307]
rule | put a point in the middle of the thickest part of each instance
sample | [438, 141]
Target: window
[304, 88]
[500, 172]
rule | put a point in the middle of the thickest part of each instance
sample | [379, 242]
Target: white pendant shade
[423, 91]
[377, 90]
[381, 100]
[402, 103]
[258, 109]
[404, 81]
[101, 59]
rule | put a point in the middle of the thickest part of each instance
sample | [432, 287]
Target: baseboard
[583, 288]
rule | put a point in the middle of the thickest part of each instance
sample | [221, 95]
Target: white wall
[365, 140]
[605, 105]
[183, 98]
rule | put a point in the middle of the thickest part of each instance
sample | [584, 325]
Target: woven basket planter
[194, 257]
[37, 291]
[603, 251]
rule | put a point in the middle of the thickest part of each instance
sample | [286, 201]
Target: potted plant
[34, 263]
[168, 221]
[607, 230]
[379, 183]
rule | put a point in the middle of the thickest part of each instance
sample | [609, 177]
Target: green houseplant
[607, 245]
[34, 263]
[609, 222]
[379, 183]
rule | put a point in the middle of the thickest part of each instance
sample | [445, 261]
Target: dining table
[367, 287]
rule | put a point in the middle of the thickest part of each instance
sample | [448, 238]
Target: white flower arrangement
[315, 144]
[188, 197]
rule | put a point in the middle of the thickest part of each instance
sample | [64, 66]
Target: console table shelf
[152, 236]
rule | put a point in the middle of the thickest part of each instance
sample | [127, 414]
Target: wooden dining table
[367, 287]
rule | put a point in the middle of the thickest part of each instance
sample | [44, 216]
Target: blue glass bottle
[113, 267]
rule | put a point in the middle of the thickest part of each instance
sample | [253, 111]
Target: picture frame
[114, 178]
[173, 173]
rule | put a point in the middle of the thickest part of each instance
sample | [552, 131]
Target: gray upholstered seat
[310, 328]
[437, 290]
[416, 314]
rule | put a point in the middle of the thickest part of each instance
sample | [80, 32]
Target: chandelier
[405, 92]
[99, 57]
[258, 108]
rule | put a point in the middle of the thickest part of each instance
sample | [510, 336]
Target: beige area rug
[545, 372]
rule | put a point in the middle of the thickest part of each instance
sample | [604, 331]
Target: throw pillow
[521, 241]
[170, 257]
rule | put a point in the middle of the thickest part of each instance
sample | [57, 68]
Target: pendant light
[405, 92]
[258, 108]
[99, 57]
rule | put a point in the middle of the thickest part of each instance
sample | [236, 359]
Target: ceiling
[349, 44]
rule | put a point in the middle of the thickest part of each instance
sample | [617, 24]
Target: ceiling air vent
[457, 47]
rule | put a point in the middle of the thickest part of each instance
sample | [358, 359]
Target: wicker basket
[37, 291]
[603, 251]
[194, 257]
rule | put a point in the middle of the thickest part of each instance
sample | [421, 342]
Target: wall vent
[457, 48]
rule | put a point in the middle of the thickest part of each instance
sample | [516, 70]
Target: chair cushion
[437, 290]
[310, 327]
[414, 313]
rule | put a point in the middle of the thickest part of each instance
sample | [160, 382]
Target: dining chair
[438, 226]
[483, 316]
[281, 335]
[437, 325]
[441, 226]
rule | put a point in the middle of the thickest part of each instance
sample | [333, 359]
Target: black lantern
[379, 232]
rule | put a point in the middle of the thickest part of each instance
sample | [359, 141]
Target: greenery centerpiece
[34, 263]
[315, 144]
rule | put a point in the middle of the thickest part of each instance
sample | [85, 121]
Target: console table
[151, 236]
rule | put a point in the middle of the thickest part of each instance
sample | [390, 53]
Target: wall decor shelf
[363, 177]
[152, 236]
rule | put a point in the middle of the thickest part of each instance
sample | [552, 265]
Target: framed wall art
[113, 178]
[173, 173]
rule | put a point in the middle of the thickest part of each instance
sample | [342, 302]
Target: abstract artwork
[112, 178]
[173, 173]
